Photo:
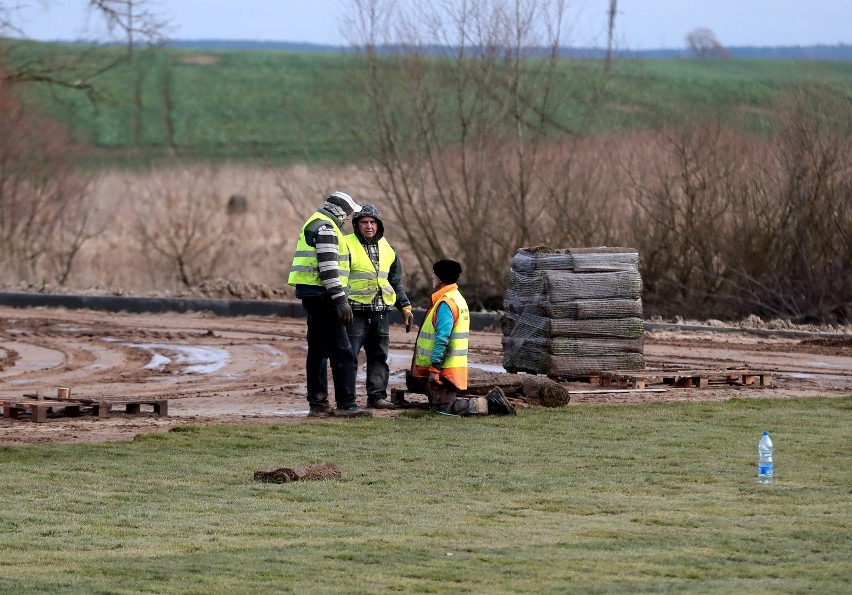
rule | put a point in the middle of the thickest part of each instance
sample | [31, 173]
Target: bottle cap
[765, 433]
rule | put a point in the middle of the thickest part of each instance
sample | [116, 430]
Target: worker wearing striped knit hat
[320, 273]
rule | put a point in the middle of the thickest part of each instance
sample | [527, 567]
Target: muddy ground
[251, 369]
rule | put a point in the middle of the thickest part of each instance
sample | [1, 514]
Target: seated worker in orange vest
[440, 351]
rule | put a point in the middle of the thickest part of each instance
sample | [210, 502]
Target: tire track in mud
[113, 356]
[153, 354]
[261, 378]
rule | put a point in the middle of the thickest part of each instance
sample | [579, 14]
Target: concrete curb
[158, 305]
[152, 305]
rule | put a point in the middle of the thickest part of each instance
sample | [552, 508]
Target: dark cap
[447, 270]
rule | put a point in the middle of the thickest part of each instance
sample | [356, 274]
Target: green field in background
[288, 106]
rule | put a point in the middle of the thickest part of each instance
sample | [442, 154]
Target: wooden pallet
[133, 406]
[38, 410]
[682, 378]
[38, 406]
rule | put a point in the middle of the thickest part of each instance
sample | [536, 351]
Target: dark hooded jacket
[395, 273]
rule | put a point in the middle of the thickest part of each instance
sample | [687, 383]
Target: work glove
[409, 317]
[435, 378]
[344, 313]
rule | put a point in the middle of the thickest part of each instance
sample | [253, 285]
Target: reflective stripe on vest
[305, 267]
[454, 367]
[364, 280]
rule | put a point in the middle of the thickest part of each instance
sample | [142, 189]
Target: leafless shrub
[731, 225]
[681, 200]
[184, 237]
[260, 241]
[44, 216]
[185, 229]
[813, 151]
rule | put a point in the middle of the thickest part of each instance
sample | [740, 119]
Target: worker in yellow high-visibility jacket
[375, 287]
[320, 273]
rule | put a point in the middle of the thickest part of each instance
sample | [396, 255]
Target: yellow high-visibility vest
[364, 280]
[305, 267]
[454, 367]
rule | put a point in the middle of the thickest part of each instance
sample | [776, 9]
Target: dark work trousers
[370, 330]
[328, 340]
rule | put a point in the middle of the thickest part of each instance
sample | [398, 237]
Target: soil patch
[251, 369]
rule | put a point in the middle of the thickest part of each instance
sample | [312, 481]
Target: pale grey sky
[640, 24]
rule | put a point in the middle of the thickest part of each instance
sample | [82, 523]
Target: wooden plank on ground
[133, 406]
[38, 409]
[605, 391]
[683, 378]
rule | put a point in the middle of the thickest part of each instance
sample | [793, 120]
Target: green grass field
[578, 499]
[287, 107]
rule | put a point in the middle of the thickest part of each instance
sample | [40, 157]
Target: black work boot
[352, 411]
[320, 410]
[498, 403]
[380, 403]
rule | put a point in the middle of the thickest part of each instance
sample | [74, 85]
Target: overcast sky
[640, 24]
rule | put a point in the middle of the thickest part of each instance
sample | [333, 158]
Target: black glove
[344, 313]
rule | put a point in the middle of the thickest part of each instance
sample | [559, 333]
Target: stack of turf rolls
[573, 312]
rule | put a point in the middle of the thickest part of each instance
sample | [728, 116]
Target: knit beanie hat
[342, 202]
[447, 270]
[369, 211]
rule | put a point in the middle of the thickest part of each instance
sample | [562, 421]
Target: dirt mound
[756, 322]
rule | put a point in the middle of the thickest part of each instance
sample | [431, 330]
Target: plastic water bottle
[765, 464]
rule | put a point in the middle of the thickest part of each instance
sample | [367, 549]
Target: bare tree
[186, 232]
[44, 216]
[468, 137]
[7, 21]
[702, 43]
[133, 18]
[45, 219]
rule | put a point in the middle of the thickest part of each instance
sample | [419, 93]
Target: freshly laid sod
[582, 498]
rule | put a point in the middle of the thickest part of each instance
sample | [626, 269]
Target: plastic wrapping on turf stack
[573, 312]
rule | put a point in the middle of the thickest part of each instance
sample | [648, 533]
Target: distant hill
[223, 100]
[794, 52]
[245, 44]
